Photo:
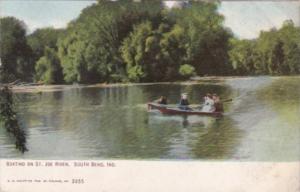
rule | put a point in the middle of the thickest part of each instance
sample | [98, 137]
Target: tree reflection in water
[219, 141]
[113, 122]
[199, 137]
[9, 119]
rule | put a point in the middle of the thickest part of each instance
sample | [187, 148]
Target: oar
[227, 100]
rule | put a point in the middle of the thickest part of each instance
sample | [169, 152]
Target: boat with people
[165, 109]
[212, 106]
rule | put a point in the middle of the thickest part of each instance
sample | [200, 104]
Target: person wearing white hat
[184, 103]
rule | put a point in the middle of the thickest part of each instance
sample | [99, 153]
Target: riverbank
[194, 80]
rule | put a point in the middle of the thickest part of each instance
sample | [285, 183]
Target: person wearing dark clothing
[184, 103]
[218, 103]
[162, 100]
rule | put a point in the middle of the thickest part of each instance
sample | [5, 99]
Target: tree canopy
[42, 38]
[275, 52]
[143, 41]
[48, 68]
[15, 53]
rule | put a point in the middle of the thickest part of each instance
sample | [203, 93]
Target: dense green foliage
[43, 43]
[141, 41]
[15, 53]
[193, 35]
[152, 54]
[205, 39]
[187, 70]
[48, 68]
[42, 38]
[125, 40]
[275, 52]
[90, 52]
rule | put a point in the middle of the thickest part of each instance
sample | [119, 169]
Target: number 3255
[77, 181]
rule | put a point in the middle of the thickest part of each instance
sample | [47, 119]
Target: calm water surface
[262, 123]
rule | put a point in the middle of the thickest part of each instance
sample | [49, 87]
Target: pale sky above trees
[245, 18]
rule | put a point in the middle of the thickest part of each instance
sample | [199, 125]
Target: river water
[262, 123]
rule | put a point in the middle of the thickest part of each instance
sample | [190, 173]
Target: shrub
[187, 71]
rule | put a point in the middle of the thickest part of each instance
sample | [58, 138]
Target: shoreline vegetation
[138, 42]
[196, 80]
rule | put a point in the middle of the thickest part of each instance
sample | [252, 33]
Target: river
[261, 123]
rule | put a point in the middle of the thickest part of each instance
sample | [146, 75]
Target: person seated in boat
[184, 103]
[209, 104]
[162, 100]
[218, 103]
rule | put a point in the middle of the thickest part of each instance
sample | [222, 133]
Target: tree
[48, 68]
[90, 50]
[277, 58]
[206, 40]
[141, 41]
[173, 45]
[243, 56]
[292, 58]
[71, 53]
[153, 54]
[290, 36]
[192, 34]
[134, 51]
[16, 55]
[42, 38]
[278, 50]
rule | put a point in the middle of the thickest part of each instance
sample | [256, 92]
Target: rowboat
[165, 109]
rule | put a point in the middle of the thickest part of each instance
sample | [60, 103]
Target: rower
[218, 104]
[184, 103]
[162, 100]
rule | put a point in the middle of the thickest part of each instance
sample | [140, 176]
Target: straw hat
[184, 95]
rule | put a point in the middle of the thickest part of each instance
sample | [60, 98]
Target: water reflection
[284, 98]
[113, 122]
[200, 137]
[9, 120]
[268, 113]
[219, 141]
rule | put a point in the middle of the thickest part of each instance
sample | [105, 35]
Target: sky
[245, 18]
